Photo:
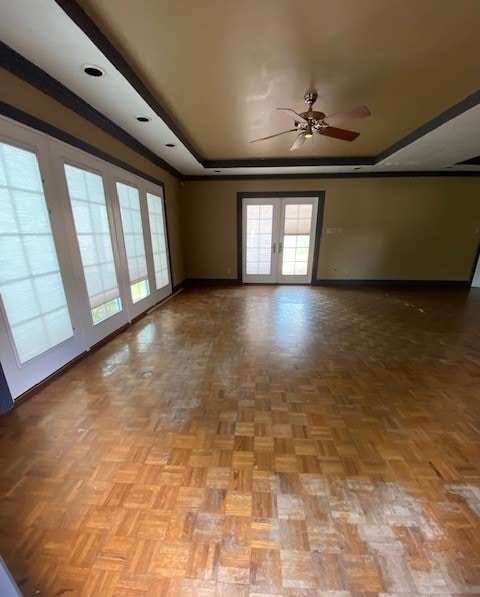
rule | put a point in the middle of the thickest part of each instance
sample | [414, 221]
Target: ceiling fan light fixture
[308, 133]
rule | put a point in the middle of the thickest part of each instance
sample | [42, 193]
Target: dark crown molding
[471, 162]
[463, 105]
[338, 175]
[45, 127]
[23, 68]
[282, 162]
[80, 18]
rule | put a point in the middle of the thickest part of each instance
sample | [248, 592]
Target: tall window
[129, 200]
[259, 239]
[159, 245]
[65, 218]
[296, 230]
[87, 197]
[31, 286]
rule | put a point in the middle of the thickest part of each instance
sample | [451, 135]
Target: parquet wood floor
[253, 441]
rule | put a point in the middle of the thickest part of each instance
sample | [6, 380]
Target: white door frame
[270, 278]
[143, 187]
[23, 376]
[65, 154]
[475, 276]
[264, 198]
[297, 279]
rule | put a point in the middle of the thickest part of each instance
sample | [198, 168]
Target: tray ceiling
[219, 69]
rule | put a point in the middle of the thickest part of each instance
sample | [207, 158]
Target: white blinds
[87, 197]
[31, 286]
[159, 245]
[259, 239]
[129, 200]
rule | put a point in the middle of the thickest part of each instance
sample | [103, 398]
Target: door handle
[280, 247]
[274, 247]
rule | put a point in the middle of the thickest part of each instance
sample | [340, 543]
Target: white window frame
[161, 293]
[65, 154]
[118, 175]
[52, 154]
[23, 376]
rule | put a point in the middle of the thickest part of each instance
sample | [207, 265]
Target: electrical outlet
[229, 270]
[331, 230]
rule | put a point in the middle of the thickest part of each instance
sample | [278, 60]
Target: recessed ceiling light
[143, 118]
[169, 145]
[93, 70]
[357, 168]
[217, 170]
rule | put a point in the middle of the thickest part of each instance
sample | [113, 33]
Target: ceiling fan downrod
[310, 99]
[314, 120]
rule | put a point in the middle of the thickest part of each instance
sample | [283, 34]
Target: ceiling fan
[310, 122]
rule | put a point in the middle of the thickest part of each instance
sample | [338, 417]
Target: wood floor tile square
[170, 559]
[263, 442]
[265, 533]
[294, 535]
[243, 459]
[297, 569]
[266, 568]
[264, 461]
[238, 503]
[264, 505]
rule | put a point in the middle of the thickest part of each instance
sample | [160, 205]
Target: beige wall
[18, 93]
[392, 228]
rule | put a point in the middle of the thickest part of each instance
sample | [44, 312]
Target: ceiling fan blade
[354, 113]
[299, 141]
[342, 134]
[292, 114]
[272, 136]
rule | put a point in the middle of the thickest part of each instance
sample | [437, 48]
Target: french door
[40, 327]
[83, 251]
[89, 224]
[278, 239]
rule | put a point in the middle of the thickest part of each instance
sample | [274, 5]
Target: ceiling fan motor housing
[313, 119]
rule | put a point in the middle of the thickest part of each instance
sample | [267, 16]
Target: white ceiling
[46, 46]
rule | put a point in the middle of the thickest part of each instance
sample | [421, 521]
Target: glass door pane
[87, 198]
[40, 327]
[31, 286]
[129, 201]
[159, 244]
[259, 245]
[297, 239]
